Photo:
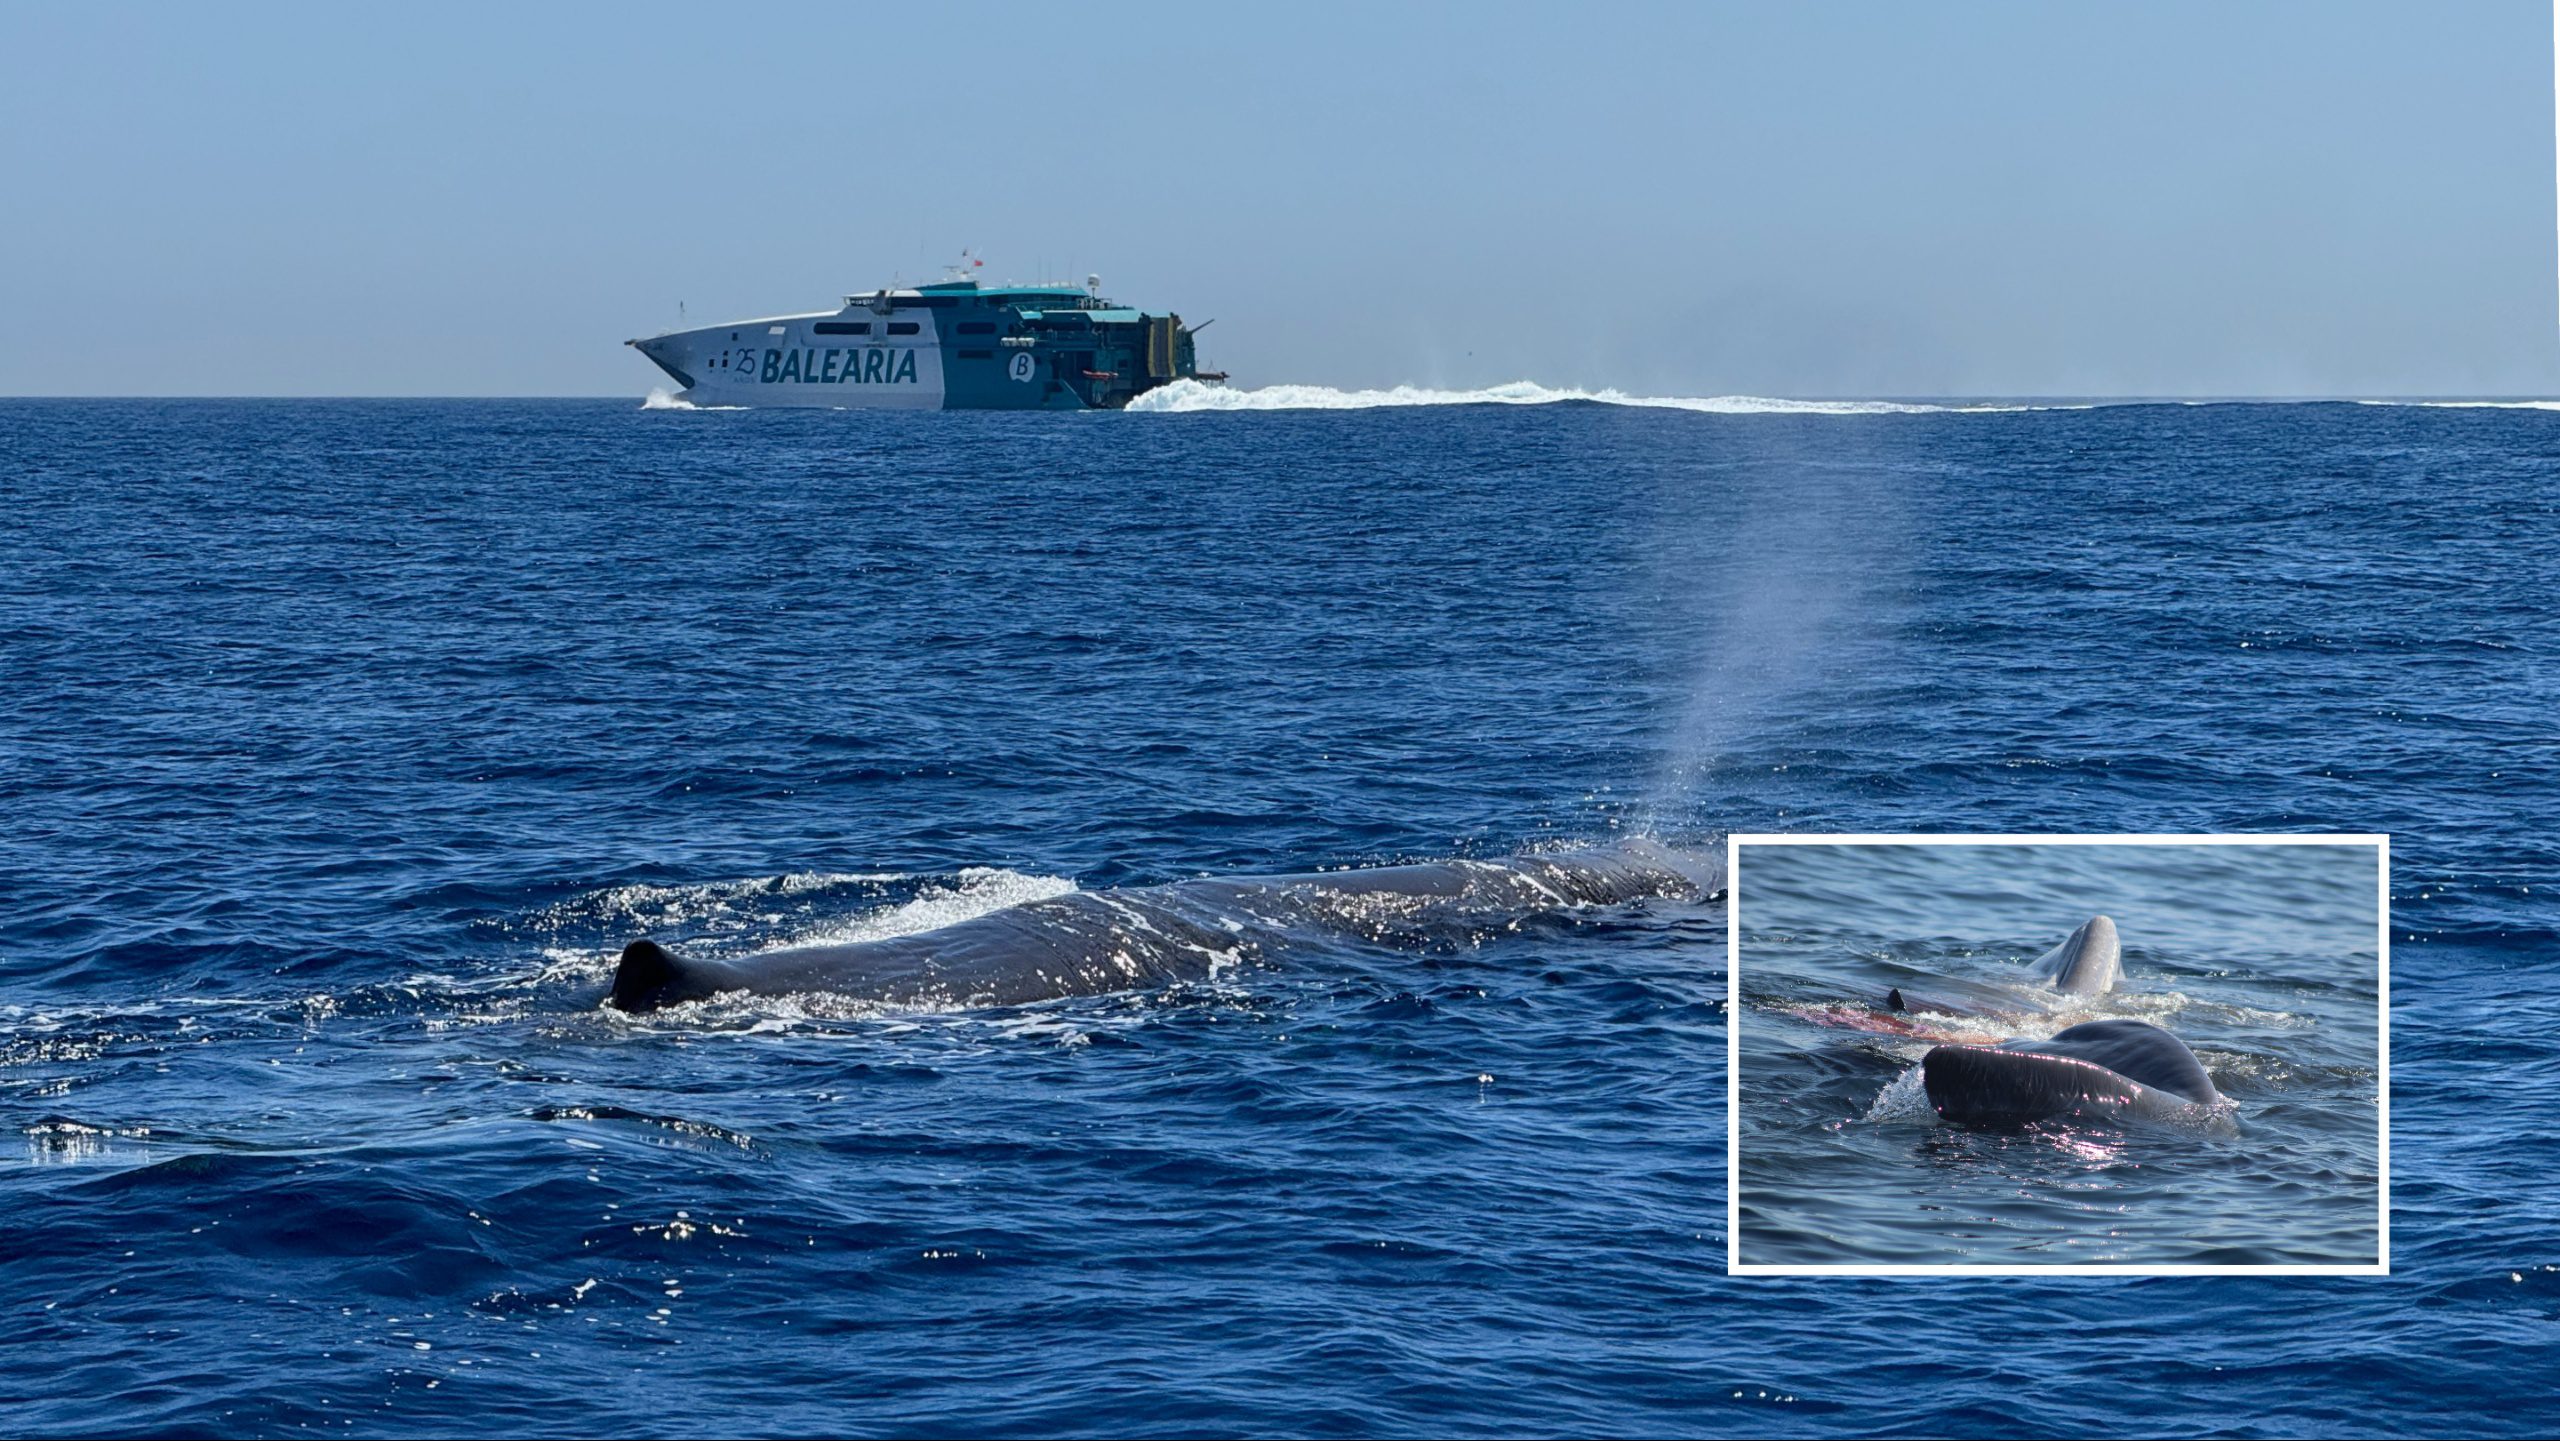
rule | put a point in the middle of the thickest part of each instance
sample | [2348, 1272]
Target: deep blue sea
[344, 744]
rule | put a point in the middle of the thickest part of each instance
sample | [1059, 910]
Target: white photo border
[1734, 844]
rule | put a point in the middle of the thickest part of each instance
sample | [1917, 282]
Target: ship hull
[786, 361]
[952, 347]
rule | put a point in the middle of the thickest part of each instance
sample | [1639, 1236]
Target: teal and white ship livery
[956, 345]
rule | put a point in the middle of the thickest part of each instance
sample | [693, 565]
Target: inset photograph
[2043, 1054]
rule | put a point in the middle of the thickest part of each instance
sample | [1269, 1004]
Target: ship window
[977, 355]
[842, 327]
[902, 327]
[977, 327]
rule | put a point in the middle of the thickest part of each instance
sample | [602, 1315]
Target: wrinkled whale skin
[1093, 942]
[2111, 1068]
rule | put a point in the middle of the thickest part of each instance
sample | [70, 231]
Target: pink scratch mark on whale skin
[1888, 1023]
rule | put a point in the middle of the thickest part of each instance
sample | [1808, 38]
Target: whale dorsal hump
[647, 972]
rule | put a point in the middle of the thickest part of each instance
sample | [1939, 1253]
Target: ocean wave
[751, 899]
[1184, 396]
[2468, 404]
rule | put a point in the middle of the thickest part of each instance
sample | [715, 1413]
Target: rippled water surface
[343, 745]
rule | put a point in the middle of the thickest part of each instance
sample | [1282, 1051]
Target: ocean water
[343, 744]
[2263, 960]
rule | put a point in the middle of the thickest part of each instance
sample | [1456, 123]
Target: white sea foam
[1904, 1102]
[752, 900]
[2469, 404]
[977, 891]
[58, 1142]
[663, 399]
[734, 906]
[1193, 395]
[1188, 396]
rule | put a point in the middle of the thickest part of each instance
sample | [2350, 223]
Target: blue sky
[1696, 199]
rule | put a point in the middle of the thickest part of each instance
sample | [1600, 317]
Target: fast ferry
[956, 345]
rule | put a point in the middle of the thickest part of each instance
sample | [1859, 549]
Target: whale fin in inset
[2087, 962]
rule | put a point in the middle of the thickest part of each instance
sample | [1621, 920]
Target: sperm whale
[2104, 1069]
[1090, 943]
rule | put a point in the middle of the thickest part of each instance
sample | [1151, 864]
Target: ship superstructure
[956, 345]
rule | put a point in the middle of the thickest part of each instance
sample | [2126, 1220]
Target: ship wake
[663, 399]
[1191, 395]
[1187, 396]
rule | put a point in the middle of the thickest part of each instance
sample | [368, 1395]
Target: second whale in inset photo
[2188, 1078]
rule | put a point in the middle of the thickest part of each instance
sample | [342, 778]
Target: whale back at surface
[2115, 1067]
[1095, 942]
[2136, 1050]
[2112, 1067]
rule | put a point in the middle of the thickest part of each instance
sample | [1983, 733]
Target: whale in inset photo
[2088, 962]
[2100, 1069]
[2103, 1069]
